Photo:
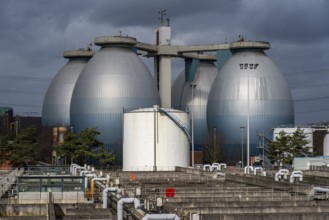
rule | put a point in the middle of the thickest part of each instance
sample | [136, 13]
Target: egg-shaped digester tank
[56, 105]
[204, 77]
[114, 80]
[248, 84]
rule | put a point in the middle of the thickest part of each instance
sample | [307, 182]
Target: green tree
[286, 147]
[278, 149]
[298, 144]
[212, 148]
[82, 147]
[104, 157]
[23, 147]
[5, 149]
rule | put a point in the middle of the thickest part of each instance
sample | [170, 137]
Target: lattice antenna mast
[162, 14]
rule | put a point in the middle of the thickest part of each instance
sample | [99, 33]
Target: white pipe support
[105, 197]
[224, 165]
[75, 169]
[86, 178]
[84, 172]
[248, 167]
[95, 178]
[206, 166]
[284, 172]
[296, 175]
[71, 167]
[214, 168]
[256, 169]
[297, 172]
[161, 217]
[277, 176]
[126, 200]
[80, 169]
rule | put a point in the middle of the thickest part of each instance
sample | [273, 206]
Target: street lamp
[242, 129]
[248, 130]
[192, 124]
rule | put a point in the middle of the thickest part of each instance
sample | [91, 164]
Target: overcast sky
[34, 34]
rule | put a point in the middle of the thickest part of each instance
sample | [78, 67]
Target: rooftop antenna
[168, 22]
[162, 13]
[241, 38]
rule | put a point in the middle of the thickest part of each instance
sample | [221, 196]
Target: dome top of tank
[80, 53]
[114, 40]
[242, 44]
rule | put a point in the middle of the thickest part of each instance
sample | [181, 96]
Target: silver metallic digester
[182, 98]
[114, 80]
[248, 83]
[56, 105]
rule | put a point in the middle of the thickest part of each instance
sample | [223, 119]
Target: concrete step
[235, 199]
[238, 204]
[270, 216]
[226, 194]
[260, 210]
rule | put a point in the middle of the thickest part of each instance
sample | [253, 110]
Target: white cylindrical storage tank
[152, 138]
[326, 145]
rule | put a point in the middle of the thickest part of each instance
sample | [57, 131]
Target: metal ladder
[180, 124]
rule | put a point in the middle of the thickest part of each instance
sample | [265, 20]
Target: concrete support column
[165, 81]
[156, 71]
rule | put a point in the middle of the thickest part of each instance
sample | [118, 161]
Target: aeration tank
[56, 105]
[113, 81]
[249, 83]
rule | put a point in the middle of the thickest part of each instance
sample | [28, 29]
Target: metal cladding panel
[140, 140]
[326, 145]
[269, 100]
[204, 78]
[113, 80]
[177, 90]
[56, 105]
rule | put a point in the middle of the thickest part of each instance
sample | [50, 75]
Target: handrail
[177, 122]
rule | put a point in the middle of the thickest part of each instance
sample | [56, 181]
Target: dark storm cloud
[145, 13]
[296, 22]
[35, 33]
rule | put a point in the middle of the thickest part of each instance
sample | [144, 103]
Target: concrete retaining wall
[23, 210]
[55, 197]
[268, 182]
